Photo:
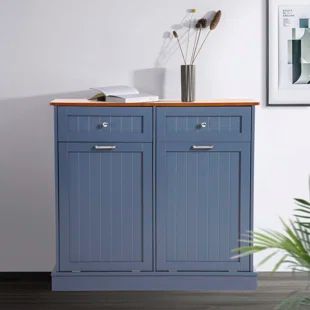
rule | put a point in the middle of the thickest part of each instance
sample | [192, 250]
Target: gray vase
[188, 83]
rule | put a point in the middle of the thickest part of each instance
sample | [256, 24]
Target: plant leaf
[302, 201]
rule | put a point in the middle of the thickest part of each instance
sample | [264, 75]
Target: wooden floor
[36, 294]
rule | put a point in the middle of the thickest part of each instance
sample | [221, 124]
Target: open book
[121, 93]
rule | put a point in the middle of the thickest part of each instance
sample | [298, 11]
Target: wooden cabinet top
[172, 103]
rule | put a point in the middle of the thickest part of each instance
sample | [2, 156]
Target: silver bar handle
[105, 147]
[202, 147]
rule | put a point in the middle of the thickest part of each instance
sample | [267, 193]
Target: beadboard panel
[196, 124]
[106, 207]
[201, 210]
[192, 124]
[118, 124]
[108, 124]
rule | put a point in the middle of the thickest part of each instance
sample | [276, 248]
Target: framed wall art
[289, 52]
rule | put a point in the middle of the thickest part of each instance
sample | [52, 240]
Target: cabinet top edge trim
[172, 103]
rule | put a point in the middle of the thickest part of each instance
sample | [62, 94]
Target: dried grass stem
[175, 34]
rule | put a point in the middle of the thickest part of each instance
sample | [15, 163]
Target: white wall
[52, 47]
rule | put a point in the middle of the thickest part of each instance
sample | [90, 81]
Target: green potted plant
[293, 245]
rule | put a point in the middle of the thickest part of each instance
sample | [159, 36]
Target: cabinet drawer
[104, 124]
[198, 124]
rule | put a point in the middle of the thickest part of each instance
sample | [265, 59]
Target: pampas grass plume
[202, 23]
[216, 19]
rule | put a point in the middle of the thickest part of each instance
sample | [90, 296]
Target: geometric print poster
[288, 73]
[294, 47]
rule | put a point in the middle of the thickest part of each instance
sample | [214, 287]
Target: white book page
[133, 96]
[118, 90]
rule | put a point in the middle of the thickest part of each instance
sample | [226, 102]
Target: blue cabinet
[153, 198]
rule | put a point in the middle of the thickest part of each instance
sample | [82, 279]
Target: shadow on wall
[30, 118]
[151, 81]
[27, 181]
[186, 30]
[26, 133]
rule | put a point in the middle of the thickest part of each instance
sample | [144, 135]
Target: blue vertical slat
[137, 226]
[68, 250]
[192, 206]
[116, 217]
[75, 205]
[245, 199]
[106, 202]
[56, 182]
[95, 207]
[251, 213]
[204, 187]
[181, 221]
[146, 188]
[224, 205]
[213, 207]
[84, 201]
[172, 176]
[235, 172]
[127, 178]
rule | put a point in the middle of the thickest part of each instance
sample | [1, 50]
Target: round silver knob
[105, 124]
[203, 125]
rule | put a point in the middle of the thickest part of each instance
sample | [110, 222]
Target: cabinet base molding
[148, 281]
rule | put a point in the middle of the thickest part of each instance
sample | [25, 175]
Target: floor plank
[36, 295]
